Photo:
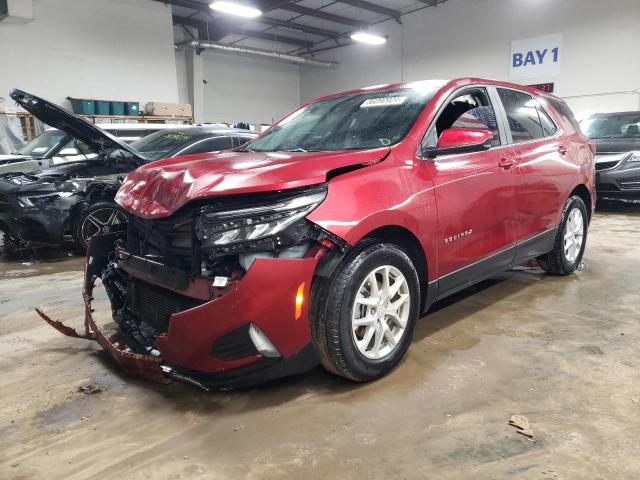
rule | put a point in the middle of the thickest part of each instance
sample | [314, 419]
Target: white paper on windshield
[383, 102]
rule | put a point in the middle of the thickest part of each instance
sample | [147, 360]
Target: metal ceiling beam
[372, 7]
[330, 17]
[213, 30]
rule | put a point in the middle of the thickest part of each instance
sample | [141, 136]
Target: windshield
[44, 142]
[159, 144]
[359, 121]
[615, 126]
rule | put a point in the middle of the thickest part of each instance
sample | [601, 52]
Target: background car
[54, 146]
[72, 201]
[617, 139]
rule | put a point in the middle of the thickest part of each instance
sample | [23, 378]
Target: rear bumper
[266, 296]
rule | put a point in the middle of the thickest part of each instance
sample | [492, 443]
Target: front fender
[383, 195]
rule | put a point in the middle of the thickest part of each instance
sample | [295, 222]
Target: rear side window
[548, 127]
[522, 113]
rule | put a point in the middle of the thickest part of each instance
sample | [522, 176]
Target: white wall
[113, 50]
[472, 38]
[248, 89]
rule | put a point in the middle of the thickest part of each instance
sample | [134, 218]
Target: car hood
[615, 145]
[160, 188]
[76, 126]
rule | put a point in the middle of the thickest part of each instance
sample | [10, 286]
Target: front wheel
[365, 324]
[99, 218]
[570, 241]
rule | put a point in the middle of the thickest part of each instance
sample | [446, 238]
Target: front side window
[527, 119]
[471, 109]
[612, 126]
[350, 122]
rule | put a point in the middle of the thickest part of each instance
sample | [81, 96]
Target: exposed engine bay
[161, 267]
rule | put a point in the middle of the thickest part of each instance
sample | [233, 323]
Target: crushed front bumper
[267, 296]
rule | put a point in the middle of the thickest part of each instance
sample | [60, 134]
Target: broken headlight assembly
[219, 228]
[272, 225]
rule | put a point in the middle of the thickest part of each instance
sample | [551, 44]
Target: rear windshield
[160, 144]
[614, 126]
[350, 122]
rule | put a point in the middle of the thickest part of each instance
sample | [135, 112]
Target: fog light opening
[299, 301]
[262, 343]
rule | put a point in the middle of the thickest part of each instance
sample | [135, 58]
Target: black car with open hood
[43, 209]
[72, 201]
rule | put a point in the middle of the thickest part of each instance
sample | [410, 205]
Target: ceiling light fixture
[371, 39]
[233, 8]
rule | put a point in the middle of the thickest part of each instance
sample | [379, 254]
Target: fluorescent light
[235, 9]
[369, 38]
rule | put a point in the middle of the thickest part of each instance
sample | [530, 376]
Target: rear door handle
[506, 163]
[562, 150]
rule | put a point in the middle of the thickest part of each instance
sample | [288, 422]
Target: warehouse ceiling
[301, 28]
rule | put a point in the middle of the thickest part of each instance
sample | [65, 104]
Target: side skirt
[488, 267]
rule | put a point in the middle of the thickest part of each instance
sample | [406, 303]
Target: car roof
[439, 84]
[613, 114]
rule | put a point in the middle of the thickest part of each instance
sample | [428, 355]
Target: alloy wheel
[100, 221]
[380, 312]
[573, 235]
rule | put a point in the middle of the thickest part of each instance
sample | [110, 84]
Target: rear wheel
[570, 241]
[365, 324]
[99, 218]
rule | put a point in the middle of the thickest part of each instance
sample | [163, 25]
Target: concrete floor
[561, 351]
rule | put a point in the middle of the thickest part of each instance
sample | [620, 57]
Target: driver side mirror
[461, 140]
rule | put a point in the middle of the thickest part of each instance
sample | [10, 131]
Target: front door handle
[562, 150]
[506, 163]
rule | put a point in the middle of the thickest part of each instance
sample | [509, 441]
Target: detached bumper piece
[143, 366]
[255, 331]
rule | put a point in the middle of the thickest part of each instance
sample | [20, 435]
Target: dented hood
[160, 188]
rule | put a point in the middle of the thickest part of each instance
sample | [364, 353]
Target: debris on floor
[92, 389]
[522, 424]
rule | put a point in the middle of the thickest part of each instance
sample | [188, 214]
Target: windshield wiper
[297, 149]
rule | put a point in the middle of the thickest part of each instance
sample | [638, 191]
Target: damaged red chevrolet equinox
[324, 239]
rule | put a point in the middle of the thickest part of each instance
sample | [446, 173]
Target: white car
[53, 146]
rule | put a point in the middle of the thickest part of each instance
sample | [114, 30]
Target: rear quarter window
[563, 109]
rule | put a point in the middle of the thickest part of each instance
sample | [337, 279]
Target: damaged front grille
[155, 305]
[170, 241]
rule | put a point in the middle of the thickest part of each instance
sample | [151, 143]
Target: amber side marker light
[299, 300]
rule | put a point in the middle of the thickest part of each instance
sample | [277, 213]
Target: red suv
[324, 239]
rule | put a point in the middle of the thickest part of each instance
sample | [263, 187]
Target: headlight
[634, 157]
[217, 226]
[37, 200]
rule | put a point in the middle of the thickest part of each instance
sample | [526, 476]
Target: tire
[564, 259]
[97, 218]
[343, 347]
